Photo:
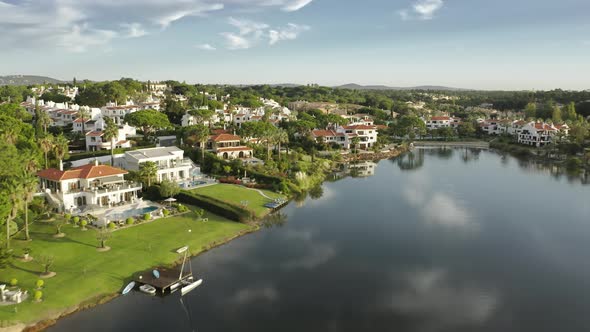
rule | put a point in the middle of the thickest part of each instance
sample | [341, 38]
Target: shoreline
[100, 299]
[472, 144]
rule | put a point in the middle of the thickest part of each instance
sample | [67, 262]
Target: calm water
[442, 240]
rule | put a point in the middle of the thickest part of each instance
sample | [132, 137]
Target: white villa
[344, 135]
[436, 122]
[540, 134]
[92, 184]
[170, 160]
[95, 140]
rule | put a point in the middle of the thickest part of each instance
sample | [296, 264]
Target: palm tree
[111, 132]
[29, 187]
[9, 135]
[60, 147]
[43, 120]
[83, 114]
[198, 133]
[46, 145]
[148, 171]
[14, 197]
[355, 142]
[281, 137]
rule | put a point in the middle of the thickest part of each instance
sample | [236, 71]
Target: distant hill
[27, 80]
[354, 86]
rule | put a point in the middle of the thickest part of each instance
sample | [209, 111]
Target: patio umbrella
[170, 200]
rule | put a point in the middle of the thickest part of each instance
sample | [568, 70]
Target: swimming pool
[131, 213]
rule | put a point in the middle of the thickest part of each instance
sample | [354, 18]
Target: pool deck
[104, 214]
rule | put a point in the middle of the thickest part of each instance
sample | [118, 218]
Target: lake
[436, 240]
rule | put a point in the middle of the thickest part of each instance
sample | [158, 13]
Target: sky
[476, 44]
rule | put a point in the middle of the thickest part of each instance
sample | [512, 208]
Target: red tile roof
[225, 137]
[543, 126]
[323, 133]
[440, 118]
[357, 127]
[96, 133]
[219, 131]
[89, 171]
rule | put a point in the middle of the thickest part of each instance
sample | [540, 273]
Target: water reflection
[276, 219]
[412, 160]
[440, 303]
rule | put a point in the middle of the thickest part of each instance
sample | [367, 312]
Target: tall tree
[42, 119]
[530, 111]
[281, 137]
[148, 171]
[197, 134]
[29, 184]
[14, 198]
[148, 120]
[556, 116]
[46, 145]
[111, 133]
[60, 147]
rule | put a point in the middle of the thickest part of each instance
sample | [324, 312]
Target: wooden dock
[168, 281]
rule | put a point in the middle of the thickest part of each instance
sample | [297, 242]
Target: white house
[91, 184]
[95, 141]
[536, 134]
[436, 122]
[170, 160]
[344, 136]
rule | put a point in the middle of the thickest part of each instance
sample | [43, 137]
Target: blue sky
[485, 44]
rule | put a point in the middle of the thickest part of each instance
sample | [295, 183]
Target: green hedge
[216, 206]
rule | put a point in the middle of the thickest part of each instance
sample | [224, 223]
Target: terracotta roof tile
[89, 171]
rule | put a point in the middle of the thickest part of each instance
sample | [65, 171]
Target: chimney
[95, 162]
[61, 165]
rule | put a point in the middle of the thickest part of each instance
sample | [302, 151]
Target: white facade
[92, 184]
[170, 160]
[344, 136]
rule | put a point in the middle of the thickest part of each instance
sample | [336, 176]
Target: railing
[103, 190]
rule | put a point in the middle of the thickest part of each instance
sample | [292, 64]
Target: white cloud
[206, 47]
[134, 30]
[430, 293]
[235, 42]
[296, 5]
[422, 10]
[290, 32]
[46, 24]
[437, 208]
[246, 27]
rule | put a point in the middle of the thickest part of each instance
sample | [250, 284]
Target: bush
[83, 223]
[130, 221]
[152, 193]
[147, 216]
[165, 213]
[76, 220]
[181, 208]
[67, 217]
[112, 225]
[38, 295]
[40, 283]
[13, 282]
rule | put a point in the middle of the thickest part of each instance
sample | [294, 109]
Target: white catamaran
[187, 285]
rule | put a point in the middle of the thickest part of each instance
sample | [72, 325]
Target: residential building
[436, 122]
[170, 160]
[95, 141]
[92, 184]
[536, 134]
[343, 136]
[228, 146]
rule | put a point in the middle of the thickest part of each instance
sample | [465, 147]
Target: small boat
[182, 249]
[148, 289]
[190, 287]
[156, 274]
[128, 288]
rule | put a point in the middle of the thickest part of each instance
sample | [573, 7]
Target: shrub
[130, 221]
[13, 282]
[40, 283]
[147, 216]
[165, 213]
[76, 220]
[83, 223]
[112, 225]
[216, 206]
[38, 295]
[182, 208]
[67, 217]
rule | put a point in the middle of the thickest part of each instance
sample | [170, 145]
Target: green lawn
[234, 194]
[83, 273]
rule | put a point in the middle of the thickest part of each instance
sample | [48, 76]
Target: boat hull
[184, 290]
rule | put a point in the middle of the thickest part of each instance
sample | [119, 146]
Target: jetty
[170, 280]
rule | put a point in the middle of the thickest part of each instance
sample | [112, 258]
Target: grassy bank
[83, 274]
[236, 195]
